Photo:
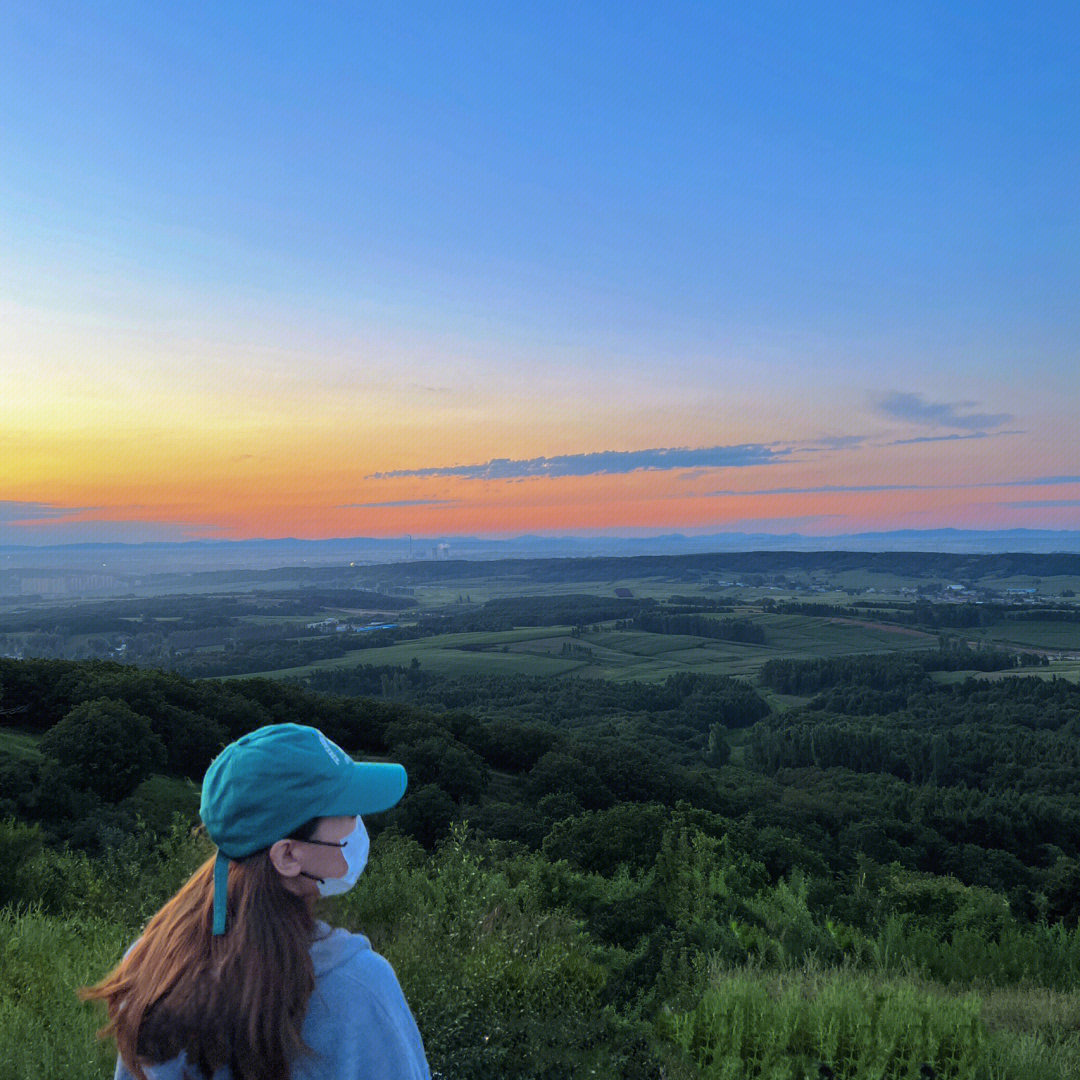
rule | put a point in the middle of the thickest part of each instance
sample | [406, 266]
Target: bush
[500, 987]
[19, 844]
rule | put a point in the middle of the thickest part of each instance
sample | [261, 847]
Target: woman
[234, 979]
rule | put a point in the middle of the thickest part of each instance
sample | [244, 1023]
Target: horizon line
[533, 536]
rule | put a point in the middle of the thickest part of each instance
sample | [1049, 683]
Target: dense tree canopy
[104, 747]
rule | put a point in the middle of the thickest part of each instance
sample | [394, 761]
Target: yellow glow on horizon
[242, 441]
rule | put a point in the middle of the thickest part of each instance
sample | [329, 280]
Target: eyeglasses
[325, 843]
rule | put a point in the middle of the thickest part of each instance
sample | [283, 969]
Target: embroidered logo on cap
[335, 753]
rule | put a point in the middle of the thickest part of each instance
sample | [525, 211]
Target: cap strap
[221, 891]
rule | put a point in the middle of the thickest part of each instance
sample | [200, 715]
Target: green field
[1038, 634]
[1058, 669]
[606, 653]
[624, 655]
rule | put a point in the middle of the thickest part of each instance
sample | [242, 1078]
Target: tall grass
[1039, 954]
[758, 1025]
[45, 1033]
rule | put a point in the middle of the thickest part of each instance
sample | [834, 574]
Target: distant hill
[246, 566]
[201, 555]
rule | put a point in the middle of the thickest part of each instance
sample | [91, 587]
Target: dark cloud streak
[1043, 481]
[31, 512]
[826, 489]
[1040, 504]
[604, 462]
[835, 442]
[951, 438]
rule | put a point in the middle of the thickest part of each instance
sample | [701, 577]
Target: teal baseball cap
[268, 783]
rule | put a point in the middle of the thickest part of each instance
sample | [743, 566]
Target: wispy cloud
[1038, 504]
[836, 442]
[915, 409]
[605, 462]
[951, 438]
[1041, 481]
[828, 489]
[32, 512]
[400, 502]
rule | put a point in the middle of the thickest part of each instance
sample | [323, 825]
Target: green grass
[517, 989]
[757, 1024]
[814, 635]
[43, 960]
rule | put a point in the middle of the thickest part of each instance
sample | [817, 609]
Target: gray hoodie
[358, 1022]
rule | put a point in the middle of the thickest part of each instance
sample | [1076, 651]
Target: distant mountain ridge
[97, 568]
[947, 539]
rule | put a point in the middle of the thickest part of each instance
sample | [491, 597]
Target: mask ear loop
[339, 844]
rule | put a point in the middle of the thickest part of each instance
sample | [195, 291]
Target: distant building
[625, 593]
[65, 584]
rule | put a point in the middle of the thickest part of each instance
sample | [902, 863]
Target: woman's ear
[284, 857]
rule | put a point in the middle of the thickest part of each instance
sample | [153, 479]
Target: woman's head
[324, 861]
[264, 786]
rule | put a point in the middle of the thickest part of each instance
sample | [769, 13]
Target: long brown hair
[238, 999]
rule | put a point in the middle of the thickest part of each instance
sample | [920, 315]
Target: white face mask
[355, 849]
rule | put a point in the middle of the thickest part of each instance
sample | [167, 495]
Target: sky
[346, 269]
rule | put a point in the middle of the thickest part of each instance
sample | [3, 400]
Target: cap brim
[372, 786]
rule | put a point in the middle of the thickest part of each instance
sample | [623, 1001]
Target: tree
[425, 813]
[560, 772]
[717, 751]
[602, 840]
[103, 746]
[459, 771]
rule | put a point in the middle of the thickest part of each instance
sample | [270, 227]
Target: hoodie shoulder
[346, 965]
[333, 947]
[358, 1021]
